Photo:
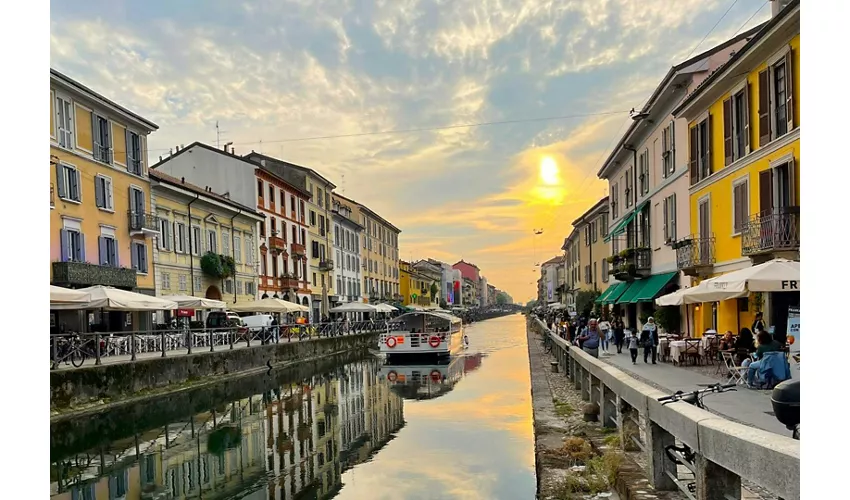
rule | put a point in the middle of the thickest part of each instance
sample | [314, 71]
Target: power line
[711, 30]
[751, 17]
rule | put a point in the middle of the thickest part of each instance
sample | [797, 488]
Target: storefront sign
[185, 313]
[794, 329]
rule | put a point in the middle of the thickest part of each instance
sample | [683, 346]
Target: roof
[306, 170]
[573, 234]
[235, 157]
[79, 87]
[668, 78]
[461, 261]
[371, 212]
[181, 183]
[555, 260]
[598, 207]
[762, 31]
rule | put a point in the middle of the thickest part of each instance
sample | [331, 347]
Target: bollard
[190, 340]
[212, 344]
[554, 365]
[230, 336]
[97, 350]
[162, 342]
[55, 360]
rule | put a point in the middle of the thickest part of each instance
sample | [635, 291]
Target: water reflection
[428, 381]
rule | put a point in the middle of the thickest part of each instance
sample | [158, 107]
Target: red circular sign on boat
[392, 376]
[436, 376]
[434, 341]
[391, 342]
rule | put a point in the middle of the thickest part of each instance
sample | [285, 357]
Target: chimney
[776, 7]
[182, 180]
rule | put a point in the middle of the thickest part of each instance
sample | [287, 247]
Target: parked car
[227, 319]
[257, 322]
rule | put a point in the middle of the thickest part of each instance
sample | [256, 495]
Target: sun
[549, 172]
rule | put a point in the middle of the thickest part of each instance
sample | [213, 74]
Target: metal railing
[726, 452]
[75, 349]
[631, 262]
[772, 232]
[693, 252]
[141, 221]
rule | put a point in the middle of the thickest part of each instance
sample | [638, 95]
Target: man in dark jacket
[649, 340]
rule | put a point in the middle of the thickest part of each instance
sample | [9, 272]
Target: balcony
[695, 255]
[143, 223]
[298, 250]
[770, 233]
[326, 265]
[631, 264]
[289, 282]
[277, 244]
[71, 274]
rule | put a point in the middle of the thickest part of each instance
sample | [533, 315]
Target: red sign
[185, 313]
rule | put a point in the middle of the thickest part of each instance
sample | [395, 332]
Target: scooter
[785, 400]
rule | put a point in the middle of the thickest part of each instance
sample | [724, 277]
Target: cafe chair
[735, 373]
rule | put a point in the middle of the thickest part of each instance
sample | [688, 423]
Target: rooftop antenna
[343, 184]
[218, 134]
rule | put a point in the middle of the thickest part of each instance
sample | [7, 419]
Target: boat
[423, 380]
[422, 334]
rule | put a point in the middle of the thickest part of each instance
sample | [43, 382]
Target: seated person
[766, 344]
[728, 341]
[744, 344]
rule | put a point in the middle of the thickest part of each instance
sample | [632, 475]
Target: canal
[357, 429]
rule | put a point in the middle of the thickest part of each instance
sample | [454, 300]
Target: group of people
[594, 334]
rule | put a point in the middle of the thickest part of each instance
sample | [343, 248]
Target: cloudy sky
[280, 76]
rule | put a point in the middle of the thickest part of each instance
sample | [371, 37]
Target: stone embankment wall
[114, 381]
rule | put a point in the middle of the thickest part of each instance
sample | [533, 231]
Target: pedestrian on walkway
[605, 332]
[633, 347]
[619, 335]
[590, 338]
[649, 339]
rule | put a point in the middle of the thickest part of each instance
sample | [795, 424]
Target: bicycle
[547, 343]
[72, 350]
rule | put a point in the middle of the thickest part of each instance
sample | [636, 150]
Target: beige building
[379, 254]
[593, 252]
[572, 268]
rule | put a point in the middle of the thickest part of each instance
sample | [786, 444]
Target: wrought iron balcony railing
[142, 222]
[326, 265]
[631, 263]
[694, 254]
[774, 231]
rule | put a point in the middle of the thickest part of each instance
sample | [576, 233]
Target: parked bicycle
[74, 350]
[684, 455]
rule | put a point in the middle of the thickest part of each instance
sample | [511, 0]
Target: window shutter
[95, 137]
[98, 192]
[747, 118]
[114, 254]
[134, 256]
[766, 192]
[60, 181]
[129, 147]
[727, 132]
[108, 194]
[74, 186]
[101, 250]
[107, 139]
[709, 148]
[187, 247]
[82, 254]
[792, 183]
[672, 209]
[144, 257]
[672, 136]
[764, 109]
[664, 151]
[665, 213]
[693, 164]
[172, 238]
[789, 94]
[64, 255]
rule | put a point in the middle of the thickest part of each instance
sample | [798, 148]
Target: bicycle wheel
[77, 358]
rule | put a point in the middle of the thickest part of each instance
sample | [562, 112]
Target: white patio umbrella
[777, 275]
[384, 308]
[60, 295]
[269, 305]
[108, 298]
[355, 307]
[189, 302]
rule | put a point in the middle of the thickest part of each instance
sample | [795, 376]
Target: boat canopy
[426, 321]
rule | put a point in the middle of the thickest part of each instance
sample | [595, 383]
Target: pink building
[468, 270]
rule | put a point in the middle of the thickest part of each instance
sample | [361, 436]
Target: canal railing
[75, 348]
[726, 452]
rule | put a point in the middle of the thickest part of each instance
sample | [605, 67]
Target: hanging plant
[211, 265]
[228, 266]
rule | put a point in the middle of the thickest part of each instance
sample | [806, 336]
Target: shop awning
[653, 286]
[620, 228]
[612, 293]
[632, 291]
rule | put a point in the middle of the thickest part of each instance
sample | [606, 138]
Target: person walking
[649, 339]
[633, 347]
[590, 338]
[604, 333]
[619, 335]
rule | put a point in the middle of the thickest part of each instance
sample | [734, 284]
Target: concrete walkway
[747, 406]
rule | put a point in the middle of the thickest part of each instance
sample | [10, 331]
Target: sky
[398, 77]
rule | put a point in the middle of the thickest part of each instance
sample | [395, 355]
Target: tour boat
[423, 381]
[422, 333]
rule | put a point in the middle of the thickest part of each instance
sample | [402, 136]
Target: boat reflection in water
[293, 440]
[423, 380]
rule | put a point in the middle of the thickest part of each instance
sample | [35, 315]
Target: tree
[434, 290]
[502, 299]
[585, 300]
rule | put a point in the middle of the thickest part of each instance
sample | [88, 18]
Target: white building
[346, 247]
[482, 292]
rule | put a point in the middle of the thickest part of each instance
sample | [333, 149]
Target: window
[740, 205]
[249, 288]
[225, 243]
[64, 123]
[669, 217]
[212, 241]
[314, 279]
[271, 194]
[777, 188]
[228, 286]
[668, 146]
[101, 139]
[736, 126]
[260, 189]
[165, 237]
[68, 182]
[320, 198]
[312, 218]
[301, 212]
[139, 257]
[336, 236]
[629, 186]
[108, 250]
[603, 224]
[593, 232]
[196, 240]
[292, 206]
[587, 273]
[166, 281]
[315, 248]
[134, 153]
[181, 282]
[103, 192]
[700, 150]
[615, 197]
[604, 270]
[776, 100]
[321, 225]
[249, 251]
[197, 283]
[181, 240]
[237, 248]
[238, 288]
[643, 172]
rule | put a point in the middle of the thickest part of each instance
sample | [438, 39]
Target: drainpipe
[191, 254]
[233, 249]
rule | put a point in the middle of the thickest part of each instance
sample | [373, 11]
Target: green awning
[653, 286]
[631, 292]
[620, 228]
[612, 293]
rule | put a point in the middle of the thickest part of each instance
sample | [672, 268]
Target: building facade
[380, 256]
[414, 287]
[743, 137]
[432, 272]
[549, 272]
[347, 275]
[572, 268]
[282, 243]
[193, 223]
[101, 223]
[592, 250]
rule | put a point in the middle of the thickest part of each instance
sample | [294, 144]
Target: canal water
[359, 430]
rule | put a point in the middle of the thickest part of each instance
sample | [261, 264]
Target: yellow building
[744, 159]
[593, 252]
[379, 255]
[572, 268]
[415, 287]
[101, 225]
[194, 222]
